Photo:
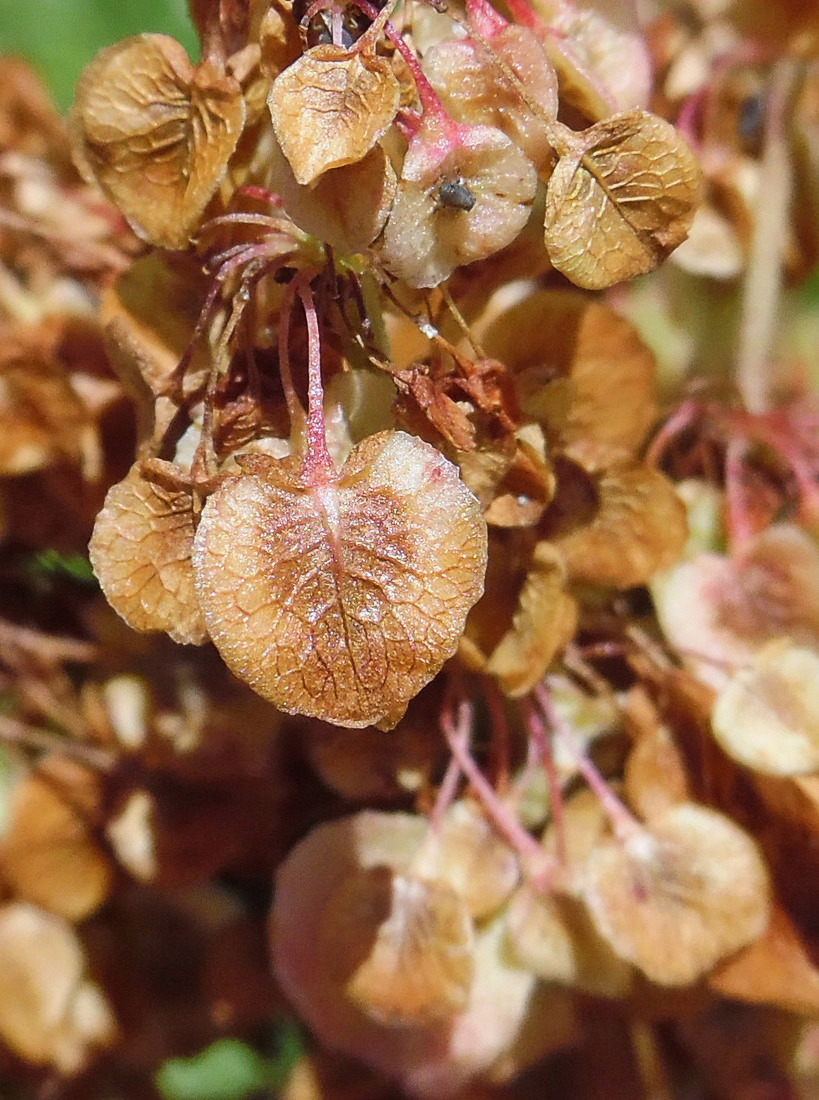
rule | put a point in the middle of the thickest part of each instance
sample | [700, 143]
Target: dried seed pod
[473, 89]
[341, 600]
[679, 895]
[724, 609]
[468, 854]
[581, 371]
[601, 57]
[622, 197]
[156, 133]
[141, 552]
[767, 716]
[426, 1061]
[330, 107]
[346, 207]
[401, 946]
[427, 235]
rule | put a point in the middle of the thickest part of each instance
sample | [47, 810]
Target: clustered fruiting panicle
[513, 703]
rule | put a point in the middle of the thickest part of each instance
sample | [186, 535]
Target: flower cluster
[451, 688]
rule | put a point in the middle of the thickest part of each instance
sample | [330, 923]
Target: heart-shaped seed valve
[339, 592]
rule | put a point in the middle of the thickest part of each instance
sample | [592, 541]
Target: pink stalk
[484, 18]
[446, 795]
[319, 467]
[740, 528]
[434, 112]
[541, 866]
[543, 745]
[623, 822]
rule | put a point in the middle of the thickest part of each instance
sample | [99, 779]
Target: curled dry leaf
[622, 197]
[141, 552]
[330, 107]
[50, 1013]
[341, 601]
[156, 133]
[457, 202]
[523, 620]
[638, 528]
[400, 945]
[678, 896]
[767, 716]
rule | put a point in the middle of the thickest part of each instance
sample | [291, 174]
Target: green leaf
[61, 36]
[226, 1070]
[51, 563]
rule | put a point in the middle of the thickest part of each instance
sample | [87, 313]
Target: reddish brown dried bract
[620, 200]
[330, 107]
[141, 552]
[342, 601]
[156, 134]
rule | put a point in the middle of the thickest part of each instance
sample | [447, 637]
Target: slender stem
[32, 737]
[430, 102]
[543, 744]
[295, 410]
[622, 820]
[446, 795]
[763, 281]
[541, 866]
[319, 466]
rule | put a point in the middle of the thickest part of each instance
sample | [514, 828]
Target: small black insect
[456, 194]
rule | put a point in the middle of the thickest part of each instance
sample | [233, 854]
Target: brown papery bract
[330, 107]
[622, 197]
[581, 371]
[678, 896]
[341, 600]
[552, 935]
[638, 528]
[141, 551]
[156, 134]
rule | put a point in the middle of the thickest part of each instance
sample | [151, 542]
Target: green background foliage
[61, 36]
